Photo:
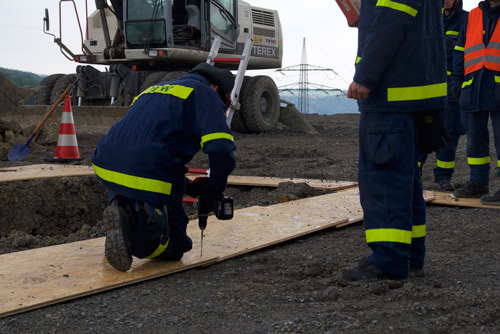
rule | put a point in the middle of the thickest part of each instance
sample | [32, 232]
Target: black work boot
[117, 247]
[445, 185]
[491, 199]
[365, 272]
[471, 189]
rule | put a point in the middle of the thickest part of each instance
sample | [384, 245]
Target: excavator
[143, 42]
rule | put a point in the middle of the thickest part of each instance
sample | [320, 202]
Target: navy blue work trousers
[445, 165]
[391, 192]
[478, 144]
[143, 243]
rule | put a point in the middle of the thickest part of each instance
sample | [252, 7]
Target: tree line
[22, 78]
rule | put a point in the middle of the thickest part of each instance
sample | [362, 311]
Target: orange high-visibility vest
[477, 54]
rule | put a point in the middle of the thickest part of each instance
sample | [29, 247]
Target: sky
[330, 42]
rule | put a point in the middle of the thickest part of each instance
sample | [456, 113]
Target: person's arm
[382, 29]
[457, 76]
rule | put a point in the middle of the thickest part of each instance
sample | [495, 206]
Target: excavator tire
[174, 75]
[152, 79]
[237, 123]
[260, 104]
[61, 85]
[47, 84]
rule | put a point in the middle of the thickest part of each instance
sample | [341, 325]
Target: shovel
[19, 152]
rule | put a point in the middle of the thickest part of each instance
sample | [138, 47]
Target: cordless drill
[223, 208]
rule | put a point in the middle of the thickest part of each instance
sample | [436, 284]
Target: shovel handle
[52, 109]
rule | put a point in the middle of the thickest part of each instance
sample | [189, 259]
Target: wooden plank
[35, 278]
[449, 199]
[30, 172]
[59, 170]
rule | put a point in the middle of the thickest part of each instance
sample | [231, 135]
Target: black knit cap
[222, 78]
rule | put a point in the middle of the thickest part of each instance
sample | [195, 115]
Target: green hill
[21, 78]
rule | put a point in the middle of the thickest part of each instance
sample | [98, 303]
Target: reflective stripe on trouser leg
[478, 146]
[388, 181]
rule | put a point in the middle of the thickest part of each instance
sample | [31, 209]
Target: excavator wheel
[174, 75]
[237, 123]
[42, 97]
[61, 85]
[260, 104]
[153, 79]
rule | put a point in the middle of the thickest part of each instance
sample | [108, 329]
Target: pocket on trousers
[385, 143]
[465, 99]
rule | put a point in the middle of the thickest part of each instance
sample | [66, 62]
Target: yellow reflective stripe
[420, 164]
[217, 135]
[445, 164]
[418, 231]
[179, 91]
[388, 235]
[134, 182]
[498, 162]
[398, 6]
[497, 79]
[417, 92]
[479, 161]
[467, 83]
[358, 59]
[448, 72]
[459, 48]
[451, 32]
[161, 248]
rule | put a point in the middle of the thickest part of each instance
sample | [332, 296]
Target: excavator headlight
[153, 53]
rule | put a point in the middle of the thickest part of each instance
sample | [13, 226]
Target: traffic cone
[67, 146]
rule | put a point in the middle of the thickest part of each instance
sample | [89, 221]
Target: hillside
[21, 78]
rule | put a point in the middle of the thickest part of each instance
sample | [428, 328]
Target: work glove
[455, 91]
[432, 134]
[194, 187]
[157, 223]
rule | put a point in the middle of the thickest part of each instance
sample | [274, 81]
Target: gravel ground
[291, 287]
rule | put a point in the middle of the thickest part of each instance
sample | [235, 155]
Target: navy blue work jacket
[479, 90]
[453, 23]
[143, 156]
[401, 55]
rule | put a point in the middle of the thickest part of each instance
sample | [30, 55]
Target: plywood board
[29, 172]
[449, 199]
[36, 278]
[58, 170]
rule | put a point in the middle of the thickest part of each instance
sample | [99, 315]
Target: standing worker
[400, 85]
[141, 161]
[477, 65]
[454, 18]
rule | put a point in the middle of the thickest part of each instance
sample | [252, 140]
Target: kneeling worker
[141, 161]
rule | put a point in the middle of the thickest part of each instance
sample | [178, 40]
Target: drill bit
[201, 247]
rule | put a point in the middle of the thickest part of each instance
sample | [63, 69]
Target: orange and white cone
[67, 146]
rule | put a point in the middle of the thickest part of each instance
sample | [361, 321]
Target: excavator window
[145, 23]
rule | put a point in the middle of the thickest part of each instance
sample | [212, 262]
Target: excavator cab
[177, 23]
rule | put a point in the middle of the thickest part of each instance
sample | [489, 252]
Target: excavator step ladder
[240, 75]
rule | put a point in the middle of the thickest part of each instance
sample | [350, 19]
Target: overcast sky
[330, 43]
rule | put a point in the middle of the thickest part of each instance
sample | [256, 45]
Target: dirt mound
[11, 95]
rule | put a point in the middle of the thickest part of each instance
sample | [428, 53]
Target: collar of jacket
[195, 76]
[486, 7]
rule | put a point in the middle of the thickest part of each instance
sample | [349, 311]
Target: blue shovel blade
[18, 152]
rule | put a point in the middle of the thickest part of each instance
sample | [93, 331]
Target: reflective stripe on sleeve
[467, 83]
[452, 33]
[217, 135]
[459, 48]
[417, 92]
[134, 182]
[398, 6]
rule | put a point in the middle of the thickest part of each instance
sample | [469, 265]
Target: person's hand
[357, 91]
[432, 134]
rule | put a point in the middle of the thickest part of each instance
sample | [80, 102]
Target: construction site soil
[291, 287]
